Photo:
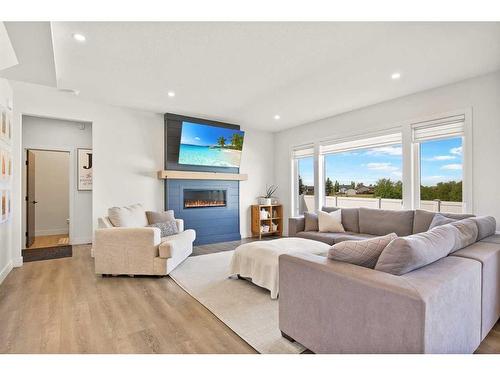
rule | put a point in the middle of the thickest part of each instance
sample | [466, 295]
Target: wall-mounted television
[208, 145]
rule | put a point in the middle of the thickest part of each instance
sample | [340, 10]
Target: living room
[330, 188]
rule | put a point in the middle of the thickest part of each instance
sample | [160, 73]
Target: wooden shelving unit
[275, 218]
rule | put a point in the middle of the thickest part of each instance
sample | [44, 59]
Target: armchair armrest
[117, 249]
[295, 225]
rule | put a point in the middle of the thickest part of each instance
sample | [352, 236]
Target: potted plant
[265, 199]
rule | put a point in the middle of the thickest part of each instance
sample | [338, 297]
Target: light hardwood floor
[50, 241]
[61, 306]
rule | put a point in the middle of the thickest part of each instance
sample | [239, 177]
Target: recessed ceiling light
[70, 91]
[79, 37]
[396, 75]
[277, 117]
[171, 94]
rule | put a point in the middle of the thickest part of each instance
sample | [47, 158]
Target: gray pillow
[466, 233]
[168, 228]
[381, 222]
[363, 253]
[159, 217]
[439, 219]
[486, 225]
[310, 222]
[405, 254]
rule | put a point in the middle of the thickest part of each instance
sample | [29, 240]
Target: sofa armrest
[334, 307]
[180, 225]
[295, 225]
[117, 249]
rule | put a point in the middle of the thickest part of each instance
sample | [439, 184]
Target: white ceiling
[246, 73]
[32, 42]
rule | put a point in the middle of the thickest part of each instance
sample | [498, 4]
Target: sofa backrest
[350, 217]
[423, 219]
[381, 222]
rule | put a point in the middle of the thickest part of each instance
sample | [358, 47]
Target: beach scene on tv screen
[210, 145]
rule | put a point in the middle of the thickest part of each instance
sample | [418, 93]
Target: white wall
[51, 134]
[52, 193]
[481, 94]
[6, 258]
[257, 160]
[127, 149]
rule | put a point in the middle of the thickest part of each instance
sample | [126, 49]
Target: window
[438, 152]
[304, 198]
[364, 173]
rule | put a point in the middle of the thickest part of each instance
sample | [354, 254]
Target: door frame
[71, 185]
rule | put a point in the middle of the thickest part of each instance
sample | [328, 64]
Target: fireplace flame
[192, 203]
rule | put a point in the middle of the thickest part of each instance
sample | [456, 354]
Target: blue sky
[441, 160]
[204, 135]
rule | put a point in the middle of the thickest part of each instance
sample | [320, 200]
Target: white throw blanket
[259, 260]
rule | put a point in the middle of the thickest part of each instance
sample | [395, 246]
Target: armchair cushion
[128, 216]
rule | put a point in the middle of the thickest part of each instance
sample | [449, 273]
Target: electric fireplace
[203, 198]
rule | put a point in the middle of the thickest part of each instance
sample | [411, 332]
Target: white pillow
[128, 216]
[330, 221]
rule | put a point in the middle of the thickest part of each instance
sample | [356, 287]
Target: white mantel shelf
[190, 175]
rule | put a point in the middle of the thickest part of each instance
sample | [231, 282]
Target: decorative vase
[263, 201]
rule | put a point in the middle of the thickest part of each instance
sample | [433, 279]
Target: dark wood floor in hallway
[61, 306]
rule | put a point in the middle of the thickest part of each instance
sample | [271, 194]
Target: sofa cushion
[350, 217]
[382, 222]
[405, 254]
[128, 216]
[488, 254]
[423, 219]
[160, 217]
[330, 221]
[352, 236]
[310, 222]
[364, 253]
[332, 238]
[439, 219]
[466, 233]
[486, 226]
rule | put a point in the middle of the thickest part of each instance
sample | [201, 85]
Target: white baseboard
[5, 271]
[18, 262]
[51, 232]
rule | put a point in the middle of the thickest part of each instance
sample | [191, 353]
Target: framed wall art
[84, 157]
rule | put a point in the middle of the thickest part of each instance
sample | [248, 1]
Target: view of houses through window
[372, 177]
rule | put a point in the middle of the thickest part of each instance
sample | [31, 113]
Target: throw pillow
[311, 222]
[405, 254]
[168, 228]
[330, 222]
[159, 217]
[128, 216]
[363, 253]
[439, 219]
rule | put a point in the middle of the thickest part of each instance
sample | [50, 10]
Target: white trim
[17, 262]
[72, 183]
[5, 271]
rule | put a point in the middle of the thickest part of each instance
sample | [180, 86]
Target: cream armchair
[139, 250]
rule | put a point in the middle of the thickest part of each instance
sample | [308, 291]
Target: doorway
[47, 204]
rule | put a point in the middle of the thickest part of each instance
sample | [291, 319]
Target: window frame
[410, 161]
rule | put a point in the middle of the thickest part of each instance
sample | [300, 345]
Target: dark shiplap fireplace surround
[213, 221]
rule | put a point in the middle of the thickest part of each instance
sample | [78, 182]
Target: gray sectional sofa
[448, 306]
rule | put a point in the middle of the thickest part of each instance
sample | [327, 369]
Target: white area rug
[244, 307]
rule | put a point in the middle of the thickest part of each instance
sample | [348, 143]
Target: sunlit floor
[50, 241]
